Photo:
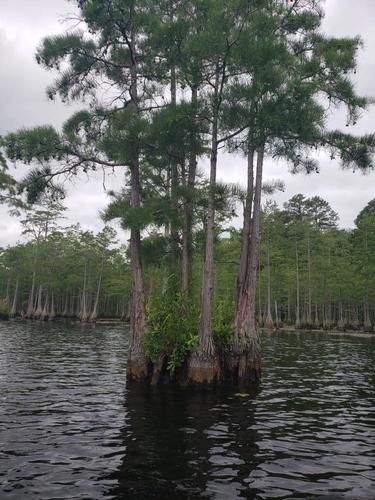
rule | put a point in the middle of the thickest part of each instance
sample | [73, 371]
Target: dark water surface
[71, 430]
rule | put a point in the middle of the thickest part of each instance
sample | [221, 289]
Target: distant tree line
[64, 272]
[311, 274]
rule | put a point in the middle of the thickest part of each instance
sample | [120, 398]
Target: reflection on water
[70, 428]
[186, 445]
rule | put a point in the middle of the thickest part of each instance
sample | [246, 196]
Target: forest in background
[311, 273]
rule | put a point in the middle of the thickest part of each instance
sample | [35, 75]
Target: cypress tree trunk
[243, 362]
[340, 321]
[137, 367]
[367, 321]
[65, 312]
[78, 304]
[203, 364]
[83, 315]
[37, 303]
[298, 314]
[52, 313]
[13, 311]
[260, 312]
[7, 295]
[137, 363]
[94, 313]
[316, 319]
[309, 286]
[39, 307]
[277, 321]
[355, 318]
[44, 315]
[346, 316]
[269, 324]
[244, 257]
[327, 322]
[71, 304]
[30, 306]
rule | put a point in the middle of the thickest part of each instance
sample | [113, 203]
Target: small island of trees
[164, 86]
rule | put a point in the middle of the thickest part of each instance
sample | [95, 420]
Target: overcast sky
[23, 103]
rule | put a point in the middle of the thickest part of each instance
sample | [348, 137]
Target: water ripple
[70, 429]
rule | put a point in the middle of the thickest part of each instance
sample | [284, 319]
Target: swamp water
[69, 428]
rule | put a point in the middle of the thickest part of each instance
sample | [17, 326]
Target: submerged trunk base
[242, 368]
[203, 369]
[138, 368]
[160, 372]
[234, 369]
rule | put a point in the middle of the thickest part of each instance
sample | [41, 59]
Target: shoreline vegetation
[348, 330]
[164, 86]
[282, 329]
[354, 333]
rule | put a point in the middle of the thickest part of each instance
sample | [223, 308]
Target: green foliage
[58, 257]
[38, 185]
[328, 260]
[172, 329]
[41, 143]
[9, 187]
[223, 329]
[315, 210]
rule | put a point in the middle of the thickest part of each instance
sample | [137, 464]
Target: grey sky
[23, 103]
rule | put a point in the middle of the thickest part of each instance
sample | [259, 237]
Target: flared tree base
[341, 326]
[138, 369]
[269, 324]
[160, 375]
[367, 327]
[203, 369]
[242, 369]
[239, 369]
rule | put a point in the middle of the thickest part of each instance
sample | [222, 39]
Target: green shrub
[223, 327]
[172, 329]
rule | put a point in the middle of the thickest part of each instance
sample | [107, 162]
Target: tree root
[138, 368]
[242, 367]
[203, 369]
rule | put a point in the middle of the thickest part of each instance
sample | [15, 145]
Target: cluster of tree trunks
[81, 306]
[331, 316]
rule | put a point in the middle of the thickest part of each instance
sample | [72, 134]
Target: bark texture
[138, 366]
[30, 305]
[13, 310]
[94, 312]
[243, 362]
[245, 243]
[203, 364]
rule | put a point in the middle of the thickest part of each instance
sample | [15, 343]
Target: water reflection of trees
[183, 444]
